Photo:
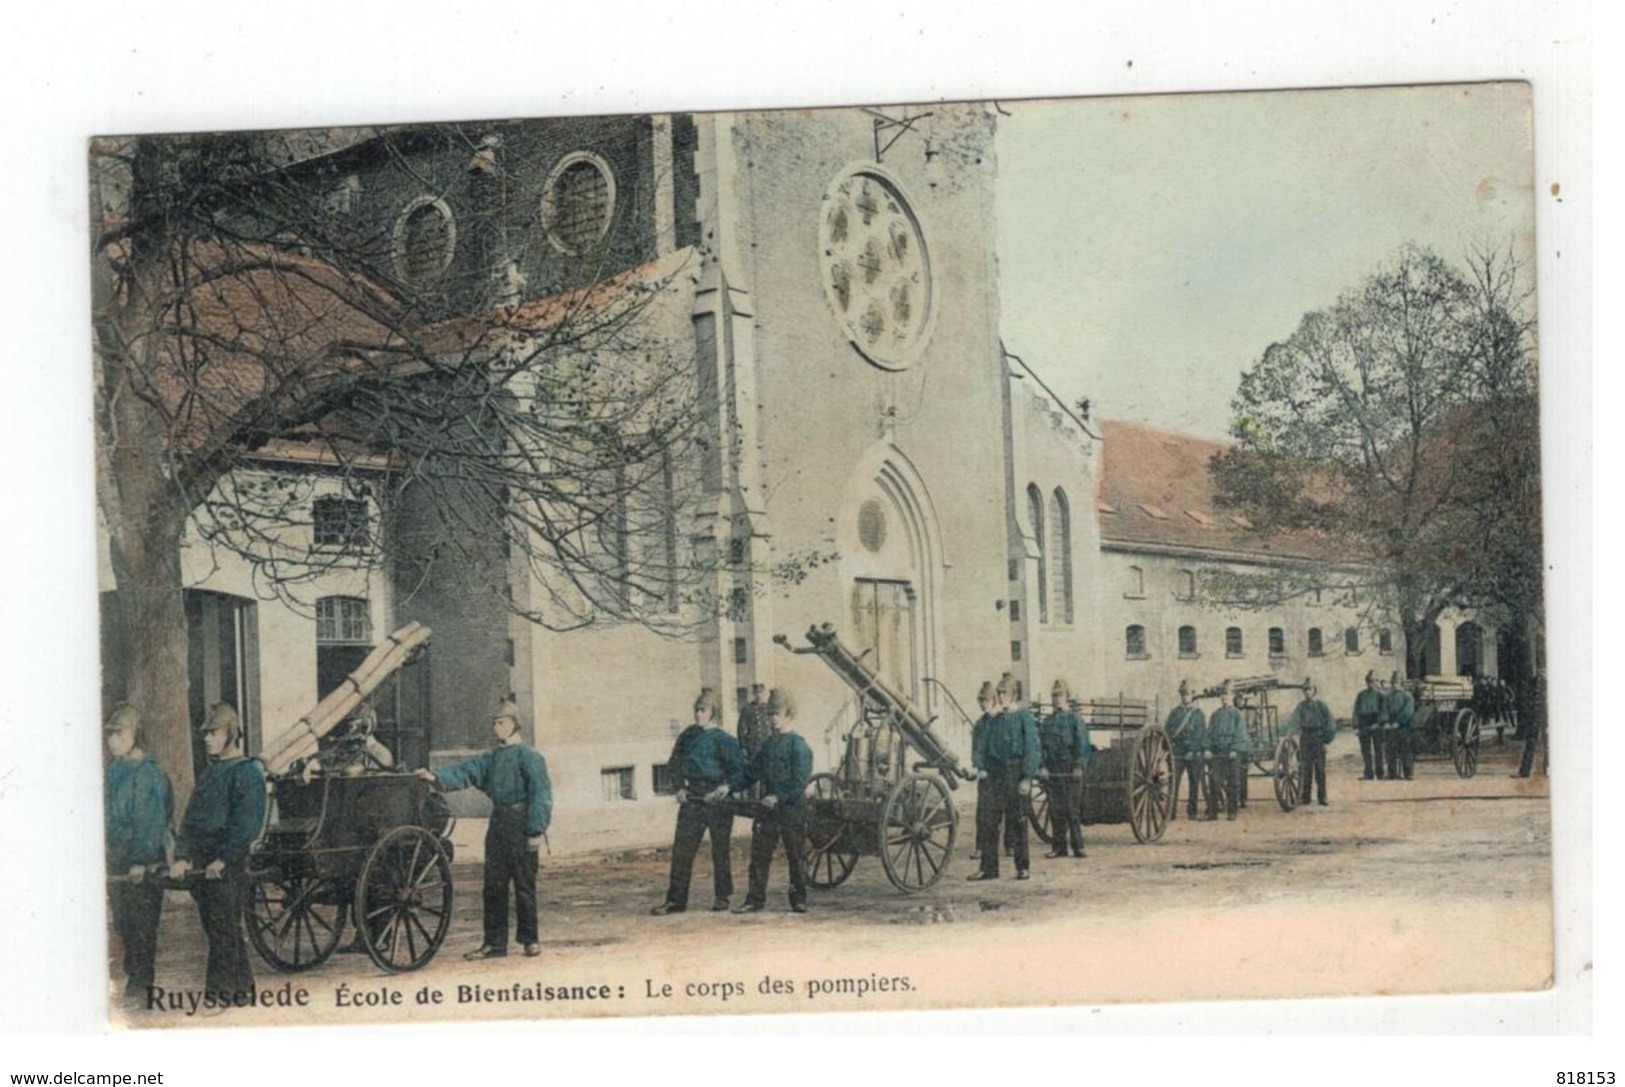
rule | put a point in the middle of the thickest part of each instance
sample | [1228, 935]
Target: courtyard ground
[1434, 885]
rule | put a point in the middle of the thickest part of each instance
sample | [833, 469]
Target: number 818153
[1585, 1079]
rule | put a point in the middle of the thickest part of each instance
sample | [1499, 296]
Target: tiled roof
[1154, 489]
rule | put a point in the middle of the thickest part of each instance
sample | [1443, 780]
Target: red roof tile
[1154, 488]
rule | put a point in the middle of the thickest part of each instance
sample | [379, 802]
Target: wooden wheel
[1288, 771]
[1150, 784]
[830, 855]
[403, 899]
[917, 828]
[294, 923]
[1464, 744]
[1037, 804]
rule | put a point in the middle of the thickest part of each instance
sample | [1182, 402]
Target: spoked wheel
[1150, 785]
[1464, 744]
[437, 816]
[403, 899]
[1288, 771]
[917, 830]
[1037, 805]
[830, 855]
[294, 923]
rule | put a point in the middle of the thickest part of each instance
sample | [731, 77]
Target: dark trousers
[220, 906]
[1066, 829]
[1407, 752]
[694, 818]
[509, 860]
[1389, 751]
[1003, 818]
[789, 823]
[1368, 748]
[1311, 765]
[136, 908]
[1187, 766]
[1222, 789]
[984, 801]
[1531, 743]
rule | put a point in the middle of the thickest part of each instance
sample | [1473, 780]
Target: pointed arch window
[1060, 550]
[1035, 511]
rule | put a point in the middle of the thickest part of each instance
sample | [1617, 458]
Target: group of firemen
[762, 769]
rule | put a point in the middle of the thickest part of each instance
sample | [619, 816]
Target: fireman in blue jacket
[514, 776]
[1401, 706]
[782, 767]
[1227, 748]
[984, 699]
[1008, 757]
[1370, 709]
[708, 764]
[140, 806]
[1187, 729]
[1065, 741]
[1312, 720]
[223, 820]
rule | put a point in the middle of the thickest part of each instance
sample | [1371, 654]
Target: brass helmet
[781, 703]
[1371, 676]
[1060, 693]
[510, 709]
[222, 715]
[1007, 685]
[123, 716]
[707, 700]
[1397, 679]
[1185, 687]
[985, 694]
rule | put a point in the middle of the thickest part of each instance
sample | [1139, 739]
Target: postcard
[963, 554]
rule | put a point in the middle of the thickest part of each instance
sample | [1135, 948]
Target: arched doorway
[1469, 649]
[891, 558]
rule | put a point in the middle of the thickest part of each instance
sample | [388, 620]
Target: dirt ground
[1432, 885]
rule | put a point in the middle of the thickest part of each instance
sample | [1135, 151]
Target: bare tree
[1396, 431]
[252, 325]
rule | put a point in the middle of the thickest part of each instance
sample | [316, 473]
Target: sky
[1151, 248]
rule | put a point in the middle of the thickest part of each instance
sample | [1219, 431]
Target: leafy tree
[252, 322]
[1396, 430]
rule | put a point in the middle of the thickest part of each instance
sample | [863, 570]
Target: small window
[741, 653]
[1186, 585]
[1015, 651]
[1385, 642]
[577, 202]
[339, 522]
[1015, 611]
[1187, 642]
[1316, 646]
[665, 782]
[1232, 642]
[343, 620]
[1136, 582]
[736, 551]
[1351, 640]
[425, 239]
[1134, 642]
[1277, 642]
[619, 783]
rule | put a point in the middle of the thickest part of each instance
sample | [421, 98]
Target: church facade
[832, 276]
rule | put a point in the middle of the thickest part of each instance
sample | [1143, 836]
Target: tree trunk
[148, 620]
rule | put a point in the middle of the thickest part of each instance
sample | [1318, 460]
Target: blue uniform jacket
[140, 809]
[1401, 707]
[1009, 742]
[225, 815]
[1314, 716]
[1370, 708]
[1227, 732]
[1065, 740]
[710, 759]
[783, 766]
[1187, 727]
[510, 774]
